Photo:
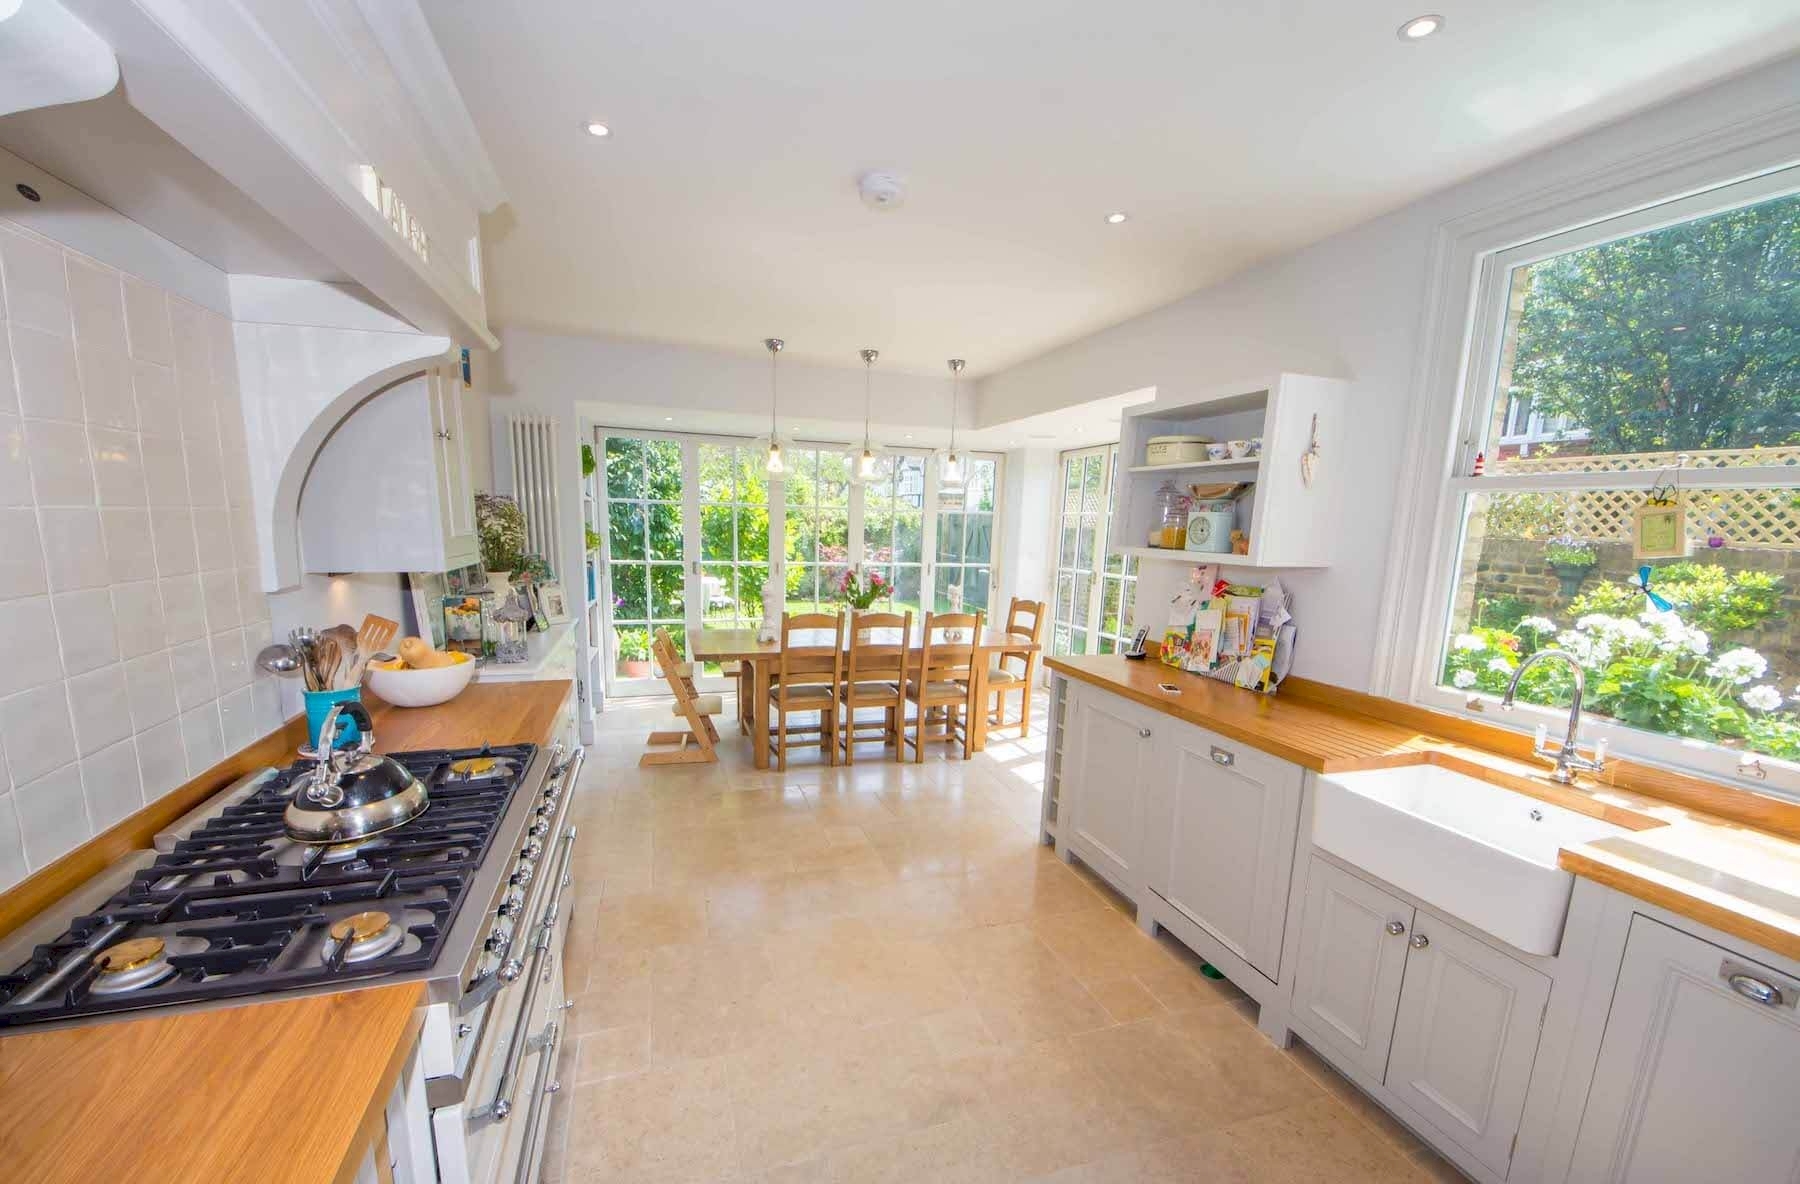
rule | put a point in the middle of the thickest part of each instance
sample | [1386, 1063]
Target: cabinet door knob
[1396, 928]
[1420, 941]
[1143, 733]
[1223, 757]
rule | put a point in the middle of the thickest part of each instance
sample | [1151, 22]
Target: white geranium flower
[1590, 649]
[1468, 643]
[1738, 666]
[1500, 666]
[1673, 635]
[1463, 679]
[1762, 698]
[1538, 624]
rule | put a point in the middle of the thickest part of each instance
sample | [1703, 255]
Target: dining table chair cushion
[938, 690]
[997, 675]
[806, 693]
[872, 689]
[704, 704]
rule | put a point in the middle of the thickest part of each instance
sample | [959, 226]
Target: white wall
[1351, 307]
[1028, 507]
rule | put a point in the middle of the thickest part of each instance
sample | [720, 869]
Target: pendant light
[865, 468]
[953, 474]
[773, 345]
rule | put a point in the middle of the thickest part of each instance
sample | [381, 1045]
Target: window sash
[1474, 418]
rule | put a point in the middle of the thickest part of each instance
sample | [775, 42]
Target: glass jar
[1168, 526]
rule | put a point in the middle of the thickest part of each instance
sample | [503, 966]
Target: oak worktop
[1721, 855]
[289, 1090]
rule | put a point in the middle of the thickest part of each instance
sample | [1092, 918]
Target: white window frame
[1413, 663]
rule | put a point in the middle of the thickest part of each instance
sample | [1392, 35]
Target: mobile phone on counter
[1168, 688]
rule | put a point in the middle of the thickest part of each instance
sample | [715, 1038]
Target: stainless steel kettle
[354, 793]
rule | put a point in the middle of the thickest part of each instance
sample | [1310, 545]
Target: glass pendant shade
[773, 345]
[775, 464]
[865, 468]
[952, 469]
[951, 473]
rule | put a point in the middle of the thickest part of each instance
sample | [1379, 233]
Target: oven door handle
[535, 1118]
[502, 1105]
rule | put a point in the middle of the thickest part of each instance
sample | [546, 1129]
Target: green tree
[1682, 338]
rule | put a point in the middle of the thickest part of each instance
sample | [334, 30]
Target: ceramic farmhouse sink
[1477, 851]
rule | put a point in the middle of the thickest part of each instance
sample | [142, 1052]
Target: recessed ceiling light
[599, 129]
[1420, 27]
[1116, 217]
[668, 419]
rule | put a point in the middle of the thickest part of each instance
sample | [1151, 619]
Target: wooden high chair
[875, 676]
[944, 681]
[808, 677]
[1024, 622]
[690, 705]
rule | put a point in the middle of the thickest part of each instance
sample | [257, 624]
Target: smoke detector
[881, 191]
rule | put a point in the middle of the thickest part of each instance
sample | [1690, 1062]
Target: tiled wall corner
[129, 598]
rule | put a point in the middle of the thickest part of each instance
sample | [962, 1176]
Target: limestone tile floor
[875, 974]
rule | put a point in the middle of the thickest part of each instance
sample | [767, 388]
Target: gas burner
[482, 767]
[131, 964]
[362, 936]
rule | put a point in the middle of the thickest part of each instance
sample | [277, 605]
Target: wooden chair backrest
[811, 662]
[879, 645]
[1024, 621]
[940, 658]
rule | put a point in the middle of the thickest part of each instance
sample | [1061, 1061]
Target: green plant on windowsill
[592, 538]
[587, 460]
[633, 645]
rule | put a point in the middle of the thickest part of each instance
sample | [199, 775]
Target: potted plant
[859, 591]
[1571, 559]
[500, 527]
[633, 652]
[587, 460]
[591, 537]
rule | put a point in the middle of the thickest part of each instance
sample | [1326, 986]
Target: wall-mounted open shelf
[1244, 464]
[1195, 558]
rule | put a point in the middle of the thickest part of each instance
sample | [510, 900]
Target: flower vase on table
[954, 594]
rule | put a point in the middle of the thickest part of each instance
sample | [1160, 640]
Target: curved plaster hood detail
[299, 383]
[48, 58]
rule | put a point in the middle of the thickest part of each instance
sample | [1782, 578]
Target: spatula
[376, 636]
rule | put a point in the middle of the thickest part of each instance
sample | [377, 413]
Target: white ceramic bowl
[422, 688]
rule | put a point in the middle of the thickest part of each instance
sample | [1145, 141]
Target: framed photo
[1659, 531]
[426, 591]
[555, 602]
[540, 620]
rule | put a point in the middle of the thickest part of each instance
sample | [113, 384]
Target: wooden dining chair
[875, 677]
[1015, 671]
[689, 705]
[943, 686]
[807, 678]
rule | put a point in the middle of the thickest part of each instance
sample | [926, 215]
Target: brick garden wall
[1515, 567]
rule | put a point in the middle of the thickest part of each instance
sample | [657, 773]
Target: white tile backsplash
[130, 555]
[161, 758]
[52, 815]
[32, 655]
[100, 709]
[201, 736]
[37, 291]
[74, 548]
[44, 366]
[85, 629]
[129, 594]
[112, 784]
[21, 554]
[58, 454]
[37, 733]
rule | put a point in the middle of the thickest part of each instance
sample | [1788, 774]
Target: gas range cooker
[232, 907]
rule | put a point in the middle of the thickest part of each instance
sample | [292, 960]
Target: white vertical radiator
[535, 483]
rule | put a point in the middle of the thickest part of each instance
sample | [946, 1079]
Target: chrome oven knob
[532, 851]
[511, 969]
[522, 877]
[512, 906]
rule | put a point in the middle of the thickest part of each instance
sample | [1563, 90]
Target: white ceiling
[112, 153]
[723, 209]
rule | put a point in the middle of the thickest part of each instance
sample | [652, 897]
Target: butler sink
[1469, 848]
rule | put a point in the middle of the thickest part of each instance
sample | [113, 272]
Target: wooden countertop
[287, 1091]
[1721, 855]
[273, 1092]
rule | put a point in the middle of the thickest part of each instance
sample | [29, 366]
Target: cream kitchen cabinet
[1696, 1072]
[1447, 1023]
[1109, 763]
[1219, 847]
[390, 489]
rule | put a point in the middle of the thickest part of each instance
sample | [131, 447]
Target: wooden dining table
[741, 645]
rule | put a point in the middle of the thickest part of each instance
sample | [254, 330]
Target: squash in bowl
[405, 686]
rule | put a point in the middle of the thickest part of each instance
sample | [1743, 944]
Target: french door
[1095, 588]
[696, 526]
